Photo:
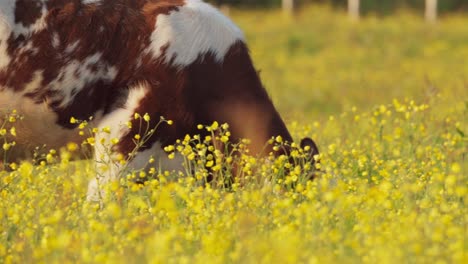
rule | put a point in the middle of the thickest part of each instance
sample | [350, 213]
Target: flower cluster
[396, 193]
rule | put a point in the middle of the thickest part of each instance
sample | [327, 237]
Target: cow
[184, 60]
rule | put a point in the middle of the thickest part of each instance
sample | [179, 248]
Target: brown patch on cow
[27, 12]
[251, 121]
[232, 92]
[166, 97]
[152, 9]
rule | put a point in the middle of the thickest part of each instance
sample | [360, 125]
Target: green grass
[320, 63]
[385, 99]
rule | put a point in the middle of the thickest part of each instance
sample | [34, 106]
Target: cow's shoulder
[192, 28]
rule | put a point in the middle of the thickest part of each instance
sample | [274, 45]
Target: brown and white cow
[181, 59]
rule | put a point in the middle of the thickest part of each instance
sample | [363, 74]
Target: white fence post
[431, 11]
[225, 9]
[288, 6]
[353, 9]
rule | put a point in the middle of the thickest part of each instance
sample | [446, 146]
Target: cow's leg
[110, 168]
[111, 129]
[122, 143]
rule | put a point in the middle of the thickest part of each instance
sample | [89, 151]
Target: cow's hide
[107, 59]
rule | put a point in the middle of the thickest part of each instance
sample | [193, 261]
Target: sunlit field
[386, 99]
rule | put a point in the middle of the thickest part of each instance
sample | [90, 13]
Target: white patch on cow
[108, 169]
[91, 2]
[196, 28]
[77, 74]
[4, 57]
[7, 8]
[7, 12]
[55, 40]
[116, 120]
[26, 49]
[72, 47]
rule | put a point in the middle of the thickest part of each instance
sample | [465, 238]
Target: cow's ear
[312, 147]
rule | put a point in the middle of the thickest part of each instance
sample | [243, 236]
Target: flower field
[386, 99]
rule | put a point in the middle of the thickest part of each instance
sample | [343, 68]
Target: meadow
[386, 99]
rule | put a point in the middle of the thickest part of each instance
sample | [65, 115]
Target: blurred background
[376, 6]
[321, 58]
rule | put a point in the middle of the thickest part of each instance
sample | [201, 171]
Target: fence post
[431, 11]
[225, 9]
[353, 9]
[288, 6]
